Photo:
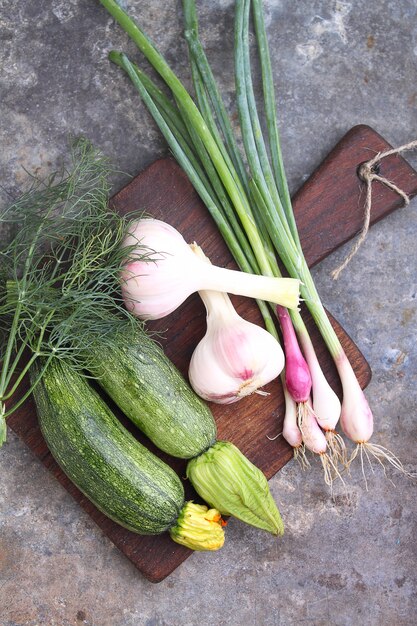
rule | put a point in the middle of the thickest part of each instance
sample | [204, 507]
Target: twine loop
[368, 169]
[369, 172]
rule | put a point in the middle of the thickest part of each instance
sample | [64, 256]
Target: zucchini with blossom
[118, 474]
[152, 393]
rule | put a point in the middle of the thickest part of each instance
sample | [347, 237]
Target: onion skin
[297, 373]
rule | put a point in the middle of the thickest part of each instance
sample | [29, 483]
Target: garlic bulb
[155, 287]
[235, 357]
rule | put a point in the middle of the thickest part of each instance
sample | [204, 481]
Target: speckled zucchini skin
[151, 392]
[119, 475]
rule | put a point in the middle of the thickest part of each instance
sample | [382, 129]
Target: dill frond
[60, 271]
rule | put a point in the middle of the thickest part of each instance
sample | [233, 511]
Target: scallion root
[370, 451]
[301, 457]
[314, 440]
[303, 410]
[337, 449]
[331, 471]
[274, 437]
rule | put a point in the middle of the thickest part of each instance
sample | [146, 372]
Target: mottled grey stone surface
[344, 560]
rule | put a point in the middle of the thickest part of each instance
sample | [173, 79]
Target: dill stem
[30, 390]
[8, 351]
[21, 376]
[61, 272]
[16, 316]
[12, 368]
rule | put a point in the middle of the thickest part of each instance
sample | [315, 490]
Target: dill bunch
[60, 272]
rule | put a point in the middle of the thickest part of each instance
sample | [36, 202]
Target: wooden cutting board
[329, 211]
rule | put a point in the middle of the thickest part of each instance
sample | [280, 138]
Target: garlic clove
[235, 358]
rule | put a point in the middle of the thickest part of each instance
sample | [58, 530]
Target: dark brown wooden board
[329, 212]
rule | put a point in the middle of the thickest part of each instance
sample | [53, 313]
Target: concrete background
[344, 560]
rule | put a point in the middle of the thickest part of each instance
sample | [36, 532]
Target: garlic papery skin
[235, 357]
[157, 285]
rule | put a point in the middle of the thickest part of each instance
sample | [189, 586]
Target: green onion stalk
[225, 190]
[253, 211]
[356, 416]
[276, 214]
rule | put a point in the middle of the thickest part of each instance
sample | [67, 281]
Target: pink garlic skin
[153, 289]
[297, 373]
[356, 419]
[235, 357]
[138, 280]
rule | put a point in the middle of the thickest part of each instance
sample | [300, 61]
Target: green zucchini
[118, 474]
[152, 393]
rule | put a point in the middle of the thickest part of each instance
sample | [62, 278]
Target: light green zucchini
[151, 392]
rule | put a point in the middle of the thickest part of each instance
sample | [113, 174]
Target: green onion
[260, 199]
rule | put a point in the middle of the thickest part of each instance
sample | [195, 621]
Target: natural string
[368, 174]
